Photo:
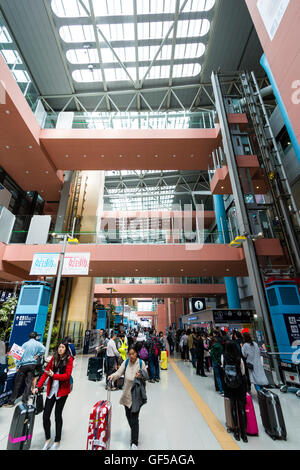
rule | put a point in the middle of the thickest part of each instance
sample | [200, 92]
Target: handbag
[39, 404]
[249, 365]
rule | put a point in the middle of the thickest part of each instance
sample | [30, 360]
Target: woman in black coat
[236, 394]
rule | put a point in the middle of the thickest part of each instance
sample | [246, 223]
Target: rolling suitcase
[252, 428]
[21, 428]
[228, 415]
[164, 360]
[95, 369]
[271, 414]
[99, 431]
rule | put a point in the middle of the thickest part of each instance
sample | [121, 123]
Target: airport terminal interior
[150, 184]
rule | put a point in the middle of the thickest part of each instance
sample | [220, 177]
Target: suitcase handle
[108, 390]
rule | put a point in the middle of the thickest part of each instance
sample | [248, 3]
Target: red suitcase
[99, 431]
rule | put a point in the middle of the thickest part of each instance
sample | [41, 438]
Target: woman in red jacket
[59, 372]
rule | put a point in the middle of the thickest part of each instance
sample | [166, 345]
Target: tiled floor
[170, 420]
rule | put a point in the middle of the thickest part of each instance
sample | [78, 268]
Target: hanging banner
[272, 12]
[44, 264]
[76, 264]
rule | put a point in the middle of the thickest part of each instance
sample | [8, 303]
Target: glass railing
[160, 280]
[13, 59]
[129, 237]
[132, 120]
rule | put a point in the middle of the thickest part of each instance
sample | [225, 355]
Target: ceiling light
[192, 156]
[67, 156]
[174, 156]
[30, 147]
[156, 156]
[102, 156]
[27, 172]
[138, 156]
[257, 187]
[7, 147]
[222, 187]
[7, 111]
[121, 156]
[227, 269]
[84, 156]
[47, 172]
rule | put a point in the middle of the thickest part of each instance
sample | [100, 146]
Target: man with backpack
[154, 348]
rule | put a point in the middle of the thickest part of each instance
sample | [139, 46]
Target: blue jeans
[218, 377]
[154, 367]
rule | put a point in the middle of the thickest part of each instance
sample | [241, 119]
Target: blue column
[265, 64]
[230, 282]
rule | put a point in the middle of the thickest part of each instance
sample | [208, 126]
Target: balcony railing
[131, 120]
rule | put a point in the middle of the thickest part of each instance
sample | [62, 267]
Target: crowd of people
[235, 361]
[132, 358]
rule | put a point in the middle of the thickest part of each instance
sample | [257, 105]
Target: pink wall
[283, 54]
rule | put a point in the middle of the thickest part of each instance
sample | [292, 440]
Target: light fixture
[30, 147]
[156, 156]
[138, 156]
[7, 147]
[84, 156]
[27, 172]
[7, 111]
[67, 156]
[222, 187]
[192, 156]
[174, 156]
[121, 156]
[102, 156]
[47, 172]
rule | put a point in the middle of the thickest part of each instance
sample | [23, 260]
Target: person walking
[251, 353]
[112, 355]
[216, 351]
[171, 340]
[154, 349]
[72, 349]
[134, 394]
[33, 349]
[58, 371]
[235, 388]
[162, 341]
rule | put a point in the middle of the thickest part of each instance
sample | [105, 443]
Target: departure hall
[150, 225]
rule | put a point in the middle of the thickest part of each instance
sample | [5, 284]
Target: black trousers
[111, 367]
[25, 373]
[133, 421]
[59, 406]
[239, 416]
[200, 364]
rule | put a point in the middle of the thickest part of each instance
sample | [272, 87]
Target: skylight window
[11, 57]
[5, 36]
[73, 8]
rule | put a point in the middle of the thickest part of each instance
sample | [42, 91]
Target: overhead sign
[197, 304]
[76, 264]
[44, 264]
[228, 316]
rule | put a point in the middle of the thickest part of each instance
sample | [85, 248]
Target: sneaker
[55, 446]
[47, 445]
[114, 389]
[152, 381]
[156, 380]
[8, 405]
[134, 447]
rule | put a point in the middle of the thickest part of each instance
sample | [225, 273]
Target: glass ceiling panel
[90, 56]
[73, 8]
[125, 31]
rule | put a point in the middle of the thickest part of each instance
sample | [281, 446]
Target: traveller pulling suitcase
[271, 414]
[164, 360]
[99, 431]
[21, 428]
[252, 428]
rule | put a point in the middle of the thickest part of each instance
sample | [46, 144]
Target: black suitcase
[95, 368]
[271, 414]
[21, 428]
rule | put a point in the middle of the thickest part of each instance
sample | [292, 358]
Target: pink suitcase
[99, 431]
[252, 428]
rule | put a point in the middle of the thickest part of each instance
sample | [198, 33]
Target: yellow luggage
[163, 360]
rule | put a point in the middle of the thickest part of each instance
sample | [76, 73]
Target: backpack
[126, 364]
[143, 353]
[232, 376]
[155, 347]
